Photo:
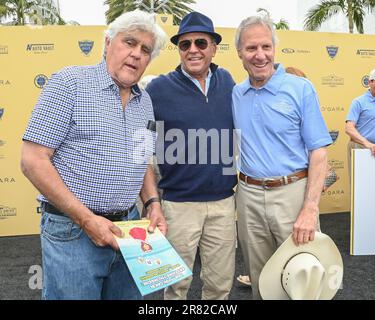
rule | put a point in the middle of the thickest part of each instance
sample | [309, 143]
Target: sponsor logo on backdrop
[2, 142]
[86, 46]
[40, 48]
[365, 53]
[332, 109]
[293, 50]
[170, 47]
[3, 49]
[331, 193]
[7, 180]
[336, 164]
[223, 47]
[288, 50]
[40, 81]
[332, 51]
[334, 135]
[332, 81]
[6, 212]
[1, 113]
[365, 81]
[4, 82]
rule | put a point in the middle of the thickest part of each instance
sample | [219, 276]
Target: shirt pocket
[282, 117]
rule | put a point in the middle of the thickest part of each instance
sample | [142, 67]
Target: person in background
[360, 121]
[295, 71]
[191, 103]
[282, 152]
[86, 149]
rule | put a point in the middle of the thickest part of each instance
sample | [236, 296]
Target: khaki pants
[211, 226]
[265, 219]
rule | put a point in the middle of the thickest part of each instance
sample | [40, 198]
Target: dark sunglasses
[201, 44]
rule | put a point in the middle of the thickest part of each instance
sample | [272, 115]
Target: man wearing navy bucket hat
[192, 104]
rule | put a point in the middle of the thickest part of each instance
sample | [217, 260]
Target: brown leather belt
[113, 216]
[269, 183]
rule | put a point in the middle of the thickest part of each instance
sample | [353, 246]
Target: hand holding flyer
[152, 261]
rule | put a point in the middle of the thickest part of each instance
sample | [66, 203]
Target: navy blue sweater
[183, 108]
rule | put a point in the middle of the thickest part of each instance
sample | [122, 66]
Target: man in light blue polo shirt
[360, 122]
[283, 157]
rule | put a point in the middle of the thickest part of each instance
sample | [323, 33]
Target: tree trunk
[351, 25]
[350, 16]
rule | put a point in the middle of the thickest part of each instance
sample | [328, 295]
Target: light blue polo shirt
[362, 113]
[279, 122]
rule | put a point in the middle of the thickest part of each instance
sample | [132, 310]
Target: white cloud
[85, 12]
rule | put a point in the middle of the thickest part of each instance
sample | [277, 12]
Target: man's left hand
[305, 226]
[156, 217]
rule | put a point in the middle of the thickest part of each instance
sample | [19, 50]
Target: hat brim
[323, 247]
[215, 35]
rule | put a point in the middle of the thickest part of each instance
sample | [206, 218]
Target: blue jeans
[74, 268]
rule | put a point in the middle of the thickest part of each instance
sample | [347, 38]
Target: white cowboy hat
[311, 271]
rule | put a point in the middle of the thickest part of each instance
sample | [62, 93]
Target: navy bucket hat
[196, 22]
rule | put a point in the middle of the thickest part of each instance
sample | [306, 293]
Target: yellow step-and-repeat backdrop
[337, 64]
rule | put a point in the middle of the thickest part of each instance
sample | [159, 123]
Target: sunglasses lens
[184, 45]
[201, 43]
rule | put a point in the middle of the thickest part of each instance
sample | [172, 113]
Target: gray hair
[138, 20]
[255, 20]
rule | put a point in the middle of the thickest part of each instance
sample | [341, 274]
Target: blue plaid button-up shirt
[101, 150]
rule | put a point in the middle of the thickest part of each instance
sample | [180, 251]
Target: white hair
[255, 20]
[138, 20]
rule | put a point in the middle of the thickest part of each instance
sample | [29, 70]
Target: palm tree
[19, 10]
[281, 25]
[178, 8]
[354, 10]
[50, 14]
[35, 11]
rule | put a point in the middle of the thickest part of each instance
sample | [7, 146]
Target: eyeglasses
[201, 44]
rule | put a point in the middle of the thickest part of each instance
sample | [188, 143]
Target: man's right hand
[371, 146]
[101, 231]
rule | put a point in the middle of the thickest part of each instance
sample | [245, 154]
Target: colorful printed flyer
[152, 261]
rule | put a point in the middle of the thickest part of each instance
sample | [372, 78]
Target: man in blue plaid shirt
[86, 149]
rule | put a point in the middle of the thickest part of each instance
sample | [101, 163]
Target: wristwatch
[149, 201]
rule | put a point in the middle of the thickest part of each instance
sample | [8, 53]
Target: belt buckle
[265, 181]
[117, 216]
